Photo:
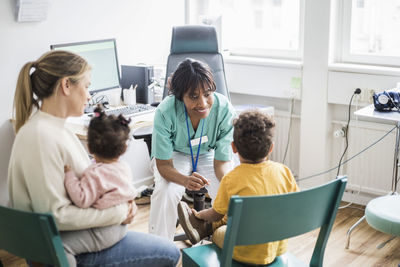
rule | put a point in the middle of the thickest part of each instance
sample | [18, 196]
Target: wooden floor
[363, 248]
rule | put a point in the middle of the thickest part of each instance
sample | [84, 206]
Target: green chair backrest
[32, 236]
[262, 219]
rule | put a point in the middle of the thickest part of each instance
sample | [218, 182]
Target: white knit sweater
[36, 174]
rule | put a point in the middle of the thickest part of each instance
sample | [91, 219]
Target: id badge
[195, 142]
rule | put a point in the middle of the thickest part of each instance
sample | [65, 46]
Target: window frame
[295, 55]
[343, 33]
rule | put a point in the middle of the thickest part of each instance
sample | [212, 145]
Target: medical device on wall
[102, 57]
[387, 101]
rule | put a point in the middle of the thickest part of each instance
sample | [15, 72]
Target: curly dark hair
[107, 134]
[253, 134]
[189, 75]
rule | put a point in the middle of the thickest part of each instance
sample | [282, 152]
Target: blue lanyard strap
[194, 164]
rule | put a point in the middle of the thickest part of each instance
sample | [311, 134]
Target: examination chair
[198, 42]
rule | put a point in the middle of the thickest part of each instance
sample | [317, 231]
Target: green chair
[32, 236]
[262, 219]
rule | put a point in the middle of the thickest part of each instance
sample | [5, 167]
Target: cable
[331, 169]
[351, 207]
[346, 134]
[348, 205]
[351, 203]
[290, 128]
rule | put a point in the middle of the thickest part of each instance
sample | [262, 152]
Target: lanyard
[194, 163]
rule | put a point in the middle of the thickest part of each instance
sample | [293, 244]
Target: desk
[78, 125]
[370, 114]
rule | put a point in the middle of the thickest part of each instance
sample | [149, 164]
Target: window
[266, 28]
[370, 32]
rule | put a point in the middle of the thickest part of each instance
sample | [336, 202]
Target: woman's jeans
[135, 249]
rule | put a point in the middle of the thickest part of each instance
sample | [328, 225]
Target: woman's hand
[131, 213]
[196, 181]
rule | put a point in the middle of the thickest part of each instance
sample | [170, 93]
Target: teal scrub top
[170, 130]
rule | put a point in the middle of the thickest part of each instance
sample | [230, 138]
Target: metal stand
[394, 181]
[351, 230]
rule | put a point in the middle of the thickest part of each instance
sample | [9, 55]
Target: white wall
[142, 30]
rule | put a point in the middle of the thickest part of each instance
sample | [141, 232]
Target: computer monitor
[102, 57]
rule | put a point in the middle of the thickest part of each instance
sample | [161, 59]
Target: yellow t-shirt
[266, 178]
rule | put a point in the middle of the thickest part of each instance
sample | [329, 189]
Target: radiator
[282, 121]
[368, 173]
[371, 171]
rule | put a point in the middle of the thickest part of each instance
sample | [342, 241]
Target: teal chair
[262, 219]
[32, 236]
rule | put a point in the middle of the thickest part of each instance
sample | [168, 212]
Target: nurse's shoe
[195, 229]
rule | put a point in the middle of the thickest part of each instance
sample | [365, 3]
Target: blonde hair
[41, 79]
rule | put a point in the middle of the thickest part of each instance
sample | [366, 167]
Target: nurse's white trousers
[166, 195]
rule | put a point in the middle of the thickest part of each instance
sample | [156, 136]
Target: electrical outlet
[295, 93]
[370, 93]
[340, 132]
[366, 95]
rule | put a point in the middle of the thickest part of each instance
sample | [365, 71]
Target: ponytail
[23, 97]
[44, 81]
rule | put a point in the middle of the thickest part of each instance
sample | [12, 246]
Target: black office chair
[198, 42]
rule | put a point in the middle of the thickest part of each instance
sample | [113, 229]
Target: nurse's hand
[196, 181]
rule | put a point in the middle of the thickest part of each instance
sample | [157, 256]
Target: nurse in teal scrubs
[190, 144]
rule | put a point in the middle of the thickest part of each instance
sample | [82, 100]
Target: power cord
[349, 205]
[346, 133]
[352, 157]
[289, 130]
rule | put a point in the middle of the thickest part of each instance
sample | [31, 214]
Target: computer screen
[102, 57]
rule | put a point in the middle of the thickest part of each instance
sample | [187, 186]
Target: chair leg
[351, 230]
[381, 245]
[198, 201]
[180, 237]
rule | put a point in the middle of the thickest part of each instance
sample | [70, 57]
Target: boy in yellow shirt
[255, 176]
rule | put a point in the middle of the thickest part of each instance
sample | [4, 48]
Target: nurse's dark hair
[189, 75]
[107, 134]
[40, 79]
[253, 134]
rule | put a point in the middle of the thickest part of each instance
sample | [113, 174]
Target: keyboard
[130, 111]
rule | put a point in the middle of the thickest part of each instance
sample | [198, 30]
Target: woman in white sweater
[48, 91]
